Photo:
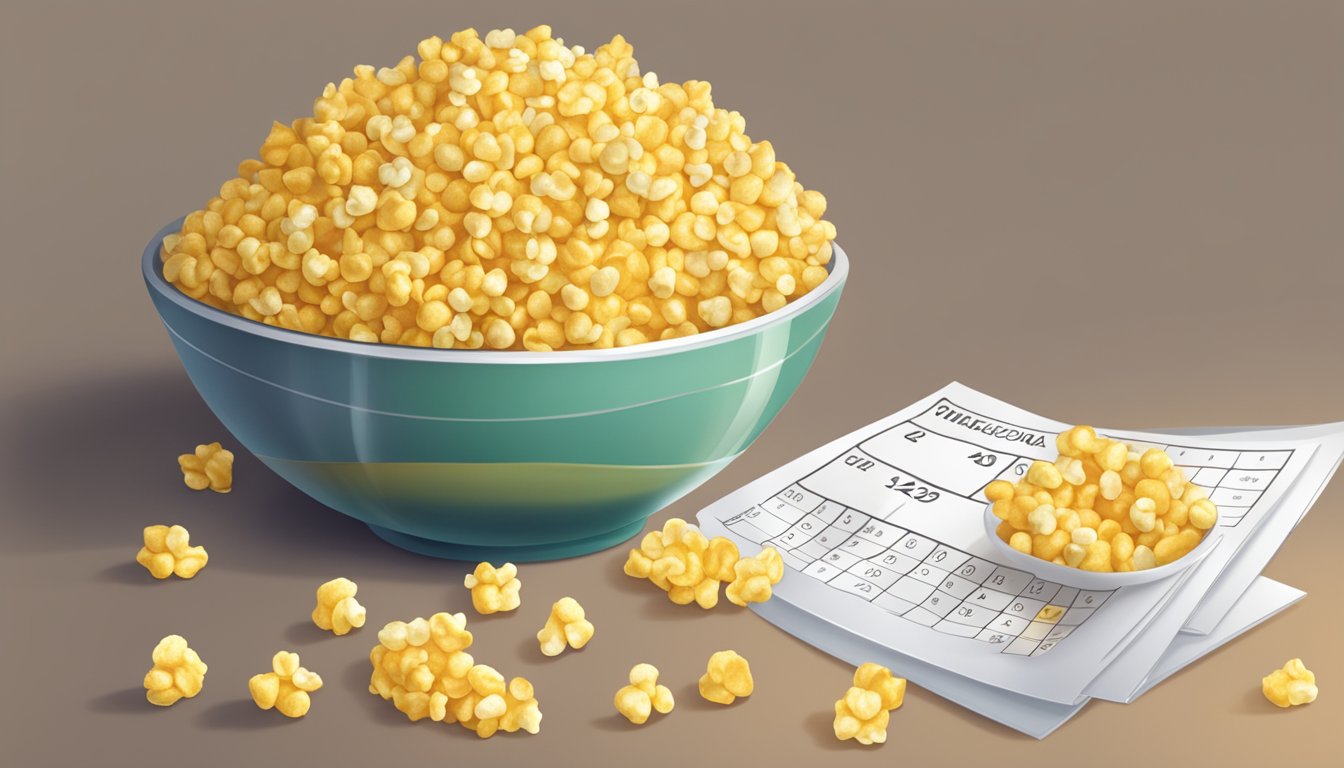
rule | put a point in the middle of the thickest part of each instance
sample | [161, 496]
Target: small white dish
[1074, 577]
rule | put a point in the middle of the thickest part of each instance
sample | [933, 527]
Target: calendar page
[1216, 584]
[882, 533]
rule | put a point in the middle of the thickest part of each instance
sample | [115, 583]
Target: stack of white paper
[888, 560]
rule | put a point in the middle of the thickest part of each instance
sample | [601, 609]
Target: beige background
[1120, 213]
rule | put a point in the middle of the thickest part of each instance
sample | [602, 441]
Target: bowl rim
[1070, 576]
[838, 268]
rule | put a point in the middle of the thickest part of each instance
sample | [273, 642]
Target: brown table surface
[1119, 213]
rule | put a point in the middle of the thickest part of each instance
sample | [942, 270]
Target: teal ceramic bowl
[478, 455]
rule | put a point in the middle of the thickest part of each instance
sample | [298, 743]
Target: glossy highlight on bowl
[474, 454]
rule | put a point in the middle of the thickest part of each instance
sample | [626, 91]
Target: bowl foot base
[516, 554]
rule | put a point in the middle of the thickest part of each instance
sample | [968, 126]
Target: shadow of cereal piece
[127, 701]
[241, 715]
[355, 680]
[616, 723]
[305, 632]
[820, 727]
[129, 573]
[1253, 702]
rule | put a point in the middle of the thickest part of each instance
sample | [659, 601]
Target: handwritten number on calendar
[914, 436]
[912, 489]
[983, 459]
[792, 495]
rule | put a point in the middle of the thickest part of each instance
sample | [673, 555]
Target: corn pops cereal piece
[286, 687]
[167, 551]
[643, 695]
[423, 668]
[863, 712]
[727, 677]
[720, 558]
[999, 490]
[683, 563]
[209, 467]
[1174, 547]
[178, 672]
[754, 576]
[1102, 506]
[494, 589]
[492, 704]
[506, 191]
[1290, 686]
[337, 609]
[565, 627]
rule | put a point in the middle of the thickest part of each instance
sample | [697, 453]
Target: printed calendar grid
[918, 577]
[844, 547]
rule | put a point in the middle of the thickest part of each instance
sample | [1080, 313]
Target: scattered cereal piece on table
[754, 576]
[286, 687]
[423, 668]
[682, 562]
[863, 712]
[565, 627]
[727, 678]
[494, 589]
[337, 609]
[1290, 686]
[643, 695]
[209, 467]
[178, 672]
[167, 551]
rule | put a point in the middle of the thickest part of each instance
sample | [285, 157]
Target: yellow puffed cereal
[1102, 506]
[168, 551]
[494, 589]
[286, 687]
[178, 672]
[643, 695]
[754, 576]
[565, 627]
[209, 467]
[863, 712]
[507, 192]
[1290, 686]
[683, 563]
[337, 609]
[423, 668]
[727, 677]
